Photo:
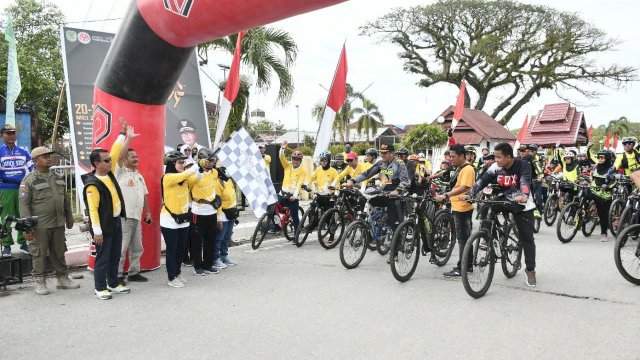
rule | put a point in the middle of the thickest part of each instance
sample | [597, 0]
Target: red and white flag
[521, 135]
[607, 140]
[230, 91]
[459, 109]
[590, 132]
[337, 96]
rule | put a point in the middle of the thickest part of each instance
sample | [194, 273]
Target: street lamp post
[298, 111]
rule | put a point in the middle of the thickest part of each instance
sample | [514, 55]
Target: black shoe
[187, 263]
[121, 281]
[138, 278]
[453, 273]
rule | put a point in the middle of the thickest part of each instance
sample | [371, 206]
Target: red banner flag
[607, 139]
[590, 132]
[459, 109]
[521, 135]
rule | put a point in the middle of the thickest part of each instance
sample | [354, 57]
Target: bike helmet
[470, 149]
[629, 139]
[339, 157]
[402, 151]
[173, 156]
[533, 147]
[569, 155]
[297, 155]
[325, 155]
[372, 151]
[205, 153]
[414, 157]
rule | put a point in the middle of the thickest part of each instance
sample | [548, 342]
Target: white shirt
[133, 190]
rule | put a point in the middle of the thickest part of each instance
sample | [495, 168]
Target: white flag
[244, 163]
[13, 74]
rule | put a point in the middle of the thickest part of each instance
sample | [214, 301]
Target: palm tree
[343, 116]
[267, 51]
[618, 127]
[370, 118]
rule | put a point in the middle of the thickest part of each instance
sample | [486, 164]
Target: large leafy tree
[619, 127]
[501, 46]
[268, 52]
[424, 136]
[36, 25]
[370, 118]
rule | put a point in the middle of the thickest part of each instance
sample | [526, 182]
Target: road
[283, 302]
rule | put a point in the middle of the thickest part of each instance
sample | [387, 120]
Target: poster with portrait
[84, 52]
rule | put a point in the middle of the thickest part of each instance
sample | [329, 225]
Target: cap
[8, 128]
[386, 147]
[185, 125]
[42, 150]
[352, 156]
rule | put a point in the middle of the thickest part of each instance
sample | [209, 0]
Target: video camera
[26, 224]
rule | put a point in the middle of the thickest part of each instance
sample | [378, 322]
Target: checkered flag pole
[244, 163]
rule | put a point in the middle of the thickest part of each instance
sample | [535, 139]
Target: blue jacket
[13, 166]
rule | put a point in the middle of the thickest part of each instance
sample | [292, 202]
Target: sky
[320, 36]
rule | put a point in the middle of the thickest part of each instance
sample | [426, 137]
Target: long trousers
[463, 221]
[176, 241]
[202, 240]
[108, 257]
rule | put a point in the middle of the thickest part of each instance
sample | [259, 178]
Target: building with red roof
[557, 123]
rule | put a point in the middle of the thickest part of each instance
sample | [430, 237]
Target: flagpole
[55, 124]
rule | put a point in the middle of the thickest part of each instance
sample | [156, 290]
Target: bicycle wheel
[627, 254]
[305, 227]
[260, 231]
[550, 210]
[615, 212]
[567, 226]
[443, 238]
[354, 244]
[330, 229]
[383, 245]
[592, 220]
[405, 251]
[536, 225]
[511, 252]
[289, 230]
[625, 218]
[477, 279]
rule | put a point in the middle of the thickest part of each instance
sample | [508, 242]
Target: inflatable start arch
[145, 60]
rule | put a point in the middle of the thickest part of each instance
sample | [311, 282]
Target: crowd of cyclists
[394, 201]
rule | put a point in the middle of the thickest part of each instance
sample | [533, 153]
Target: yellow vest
[293, 178]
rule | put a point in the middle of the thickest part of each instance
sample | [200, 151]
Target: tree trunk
[514, 109]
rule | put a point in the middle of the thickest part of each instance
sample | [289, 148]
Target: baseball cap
[41, 150]
[352, 156]
[8, 128]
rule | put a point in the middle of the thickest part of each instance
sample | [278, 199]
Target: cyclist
[629, 160]
[462, 211]
[324, 175]
[393, 178]
[513, 176]
[418, 175]
[570, 170]
[353, 169]
[372, 156]
[471, 156]
[294, 176]
[339, 163]
[444, 174]
[489, 159]
[530, 155]
[403, 154]
[601, 187]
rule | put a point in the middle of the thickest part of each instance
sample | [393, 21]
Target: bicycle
[552, 205]
[630, 213]
[311, 217]
[626, 253]
[619, 202]
[495, 240]
[578, 214]
[277, 216]
[437, 233]
[369, 231]
[333, 222]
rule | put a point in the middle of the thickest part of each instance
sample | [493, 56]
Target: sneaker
[187, 263]
[120, 289]
[181, 278]
[137, 278]
[198, 272]
[536, 214]
[453, 273]
[103, 295]
[531, 278]
[24, 248]
[6, 251]
[219, 264]
[604, 238]
[212, 270]
[121, 280]
[483, 244]
[227, 261]
[176, 283]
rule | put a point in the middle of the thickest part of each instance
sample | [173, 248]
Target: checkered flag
[244, 163]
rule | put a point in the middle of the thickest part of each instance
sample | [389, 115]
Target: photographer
[43, 194]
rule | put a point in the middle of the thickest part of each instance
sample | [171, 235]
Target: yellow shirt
[293, 178]
[631, 160]
[177, 196]
[466, 177]
[349, 171]
[205, 189]
[267, 160]
[323, 177]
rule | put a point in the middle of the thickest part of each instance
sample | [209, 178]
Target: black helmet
[173, 156]
[338, 157]
[402, 151]
[372, 151]
[205, 153]
[533, 147]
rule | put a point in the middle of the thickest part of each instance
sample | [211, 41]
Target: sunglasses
[601, 157]
[522, 150]
[628, 143]
[350, 160]
[180, 162]
[323, 160]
